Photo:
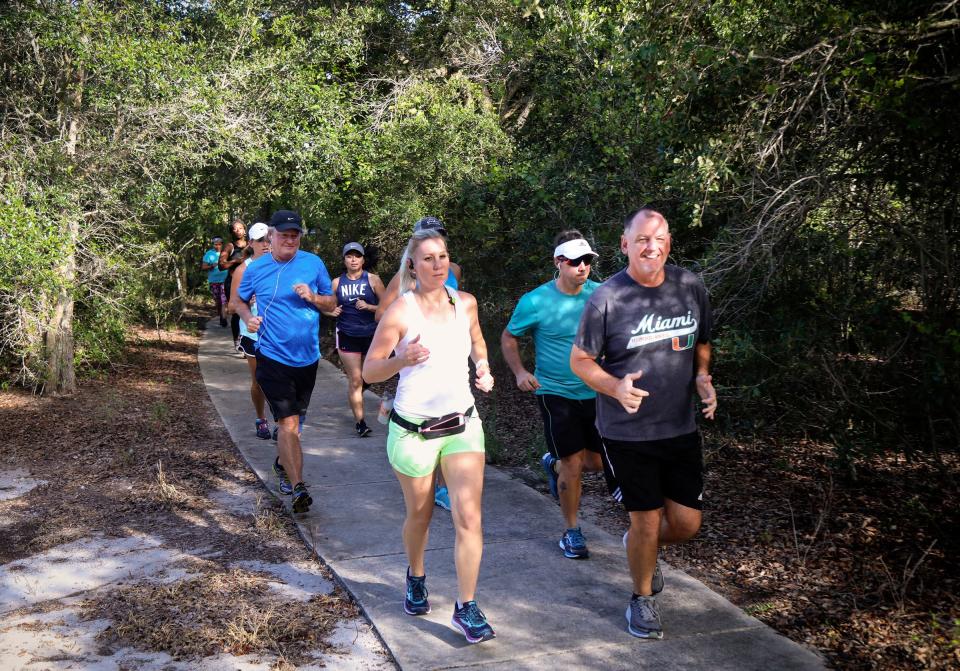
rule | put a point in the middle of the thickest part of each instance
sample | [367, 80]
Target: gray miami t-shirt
[629, 327]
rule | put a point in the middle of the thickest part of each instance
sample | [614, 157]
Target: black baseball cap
[285, 220]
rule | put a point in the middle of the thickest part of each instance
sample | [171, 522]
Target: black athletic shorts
[569, 425]
[247, 346]
[287, 388]
[641, 474]
[349, 343]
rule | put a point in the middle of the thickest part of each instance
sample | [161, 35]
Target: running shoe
[415, 601]
[643, 617]
[573, 544]
[656, 585]
[278, 470]
[362, 429]
[263, 429]
[301, 498]
[548, 461]
[472, 623]
[442, 497]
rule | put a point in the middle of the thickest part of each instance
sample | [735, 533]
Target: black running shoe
[472, 623]
[415, 601]
[362, 429]
[301, 498]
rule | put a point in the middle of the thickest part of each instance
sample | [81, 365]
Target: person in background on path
[216, 277]
[434, 330]
[649, 327]
[291, 287]
[358, 293]
[260, 242]
[551, 314]
[441, 496]
[231, 256]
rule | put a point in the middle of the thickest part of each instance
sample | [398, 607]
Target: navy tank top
[352, 321]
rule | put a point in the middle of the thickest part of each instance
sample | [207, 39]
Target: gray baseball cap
[353, 247]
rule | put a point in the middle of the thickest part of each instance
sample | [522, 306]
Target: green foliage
[804, 153]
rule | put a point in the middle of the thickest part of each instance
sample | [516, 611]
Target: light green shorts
[414, 456]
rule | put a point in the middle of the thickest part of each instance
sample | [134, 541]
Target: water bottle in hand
[386, 405]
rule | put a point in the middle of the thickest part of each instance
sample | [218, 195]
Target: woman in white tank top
[434, 330]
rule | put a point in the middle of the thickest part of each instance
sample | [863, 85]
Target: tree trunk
[61, 377]
[180, 265]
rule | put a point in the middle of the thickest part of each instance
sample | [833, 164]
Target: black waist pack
[435, 427]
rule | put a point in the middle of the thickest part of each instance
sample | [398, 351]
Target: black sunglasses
[586, 259]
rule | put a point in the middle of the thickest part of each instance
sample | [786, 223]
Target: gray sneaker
[657, 583]
[643, 617]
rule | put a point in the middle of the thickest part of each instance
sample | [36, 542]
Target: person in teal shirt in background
[215, 276]
[550, 314]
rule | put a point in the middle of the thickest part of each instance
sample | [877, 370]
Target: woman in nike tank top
[434, 330]
[358, 292]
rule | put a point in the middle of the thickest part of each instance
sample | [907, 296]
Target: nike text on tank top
[352, 320]
[441, 384]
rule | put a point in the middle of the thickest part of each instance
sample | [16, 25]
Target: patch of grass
[167, 492]
[159, 412]
[757, 609]
[269, 520]
[233, 612]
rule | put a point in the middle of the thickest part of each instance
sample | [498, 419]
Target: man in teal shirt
[550, 314]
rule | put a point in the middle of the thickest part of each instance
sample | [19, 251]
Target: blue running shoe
[472, 623]
[643, 617]
[263, 429]
[656, 585]
[574, 545]
[301, 498]
[442, 498]
[548, 461]
[415, 602]
[284, 482]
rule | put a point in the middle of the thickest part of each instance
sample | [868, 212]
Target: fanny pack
[435, 427]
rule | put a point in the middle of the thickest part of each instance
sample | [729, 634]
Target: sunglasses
[586, 259]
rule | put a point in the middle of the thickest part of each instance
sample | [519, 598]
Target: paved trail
[546, 610]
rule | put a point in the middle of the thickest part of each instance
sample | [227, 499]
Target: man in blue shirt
[550, 313]
[291, 286]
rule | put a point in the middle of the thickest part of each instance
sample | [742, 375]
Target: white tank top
[441, 384]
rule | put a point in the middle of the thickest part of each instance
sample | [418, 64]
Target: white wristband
[482, 362]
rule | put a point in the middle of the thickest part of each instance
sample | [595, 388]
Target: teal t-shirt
[215, 276]
[551, 317]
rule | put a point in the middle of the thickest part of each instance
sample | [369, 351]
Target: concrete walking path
[546, 610]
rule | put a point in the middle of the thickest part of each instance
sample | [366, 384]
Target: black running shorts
[642, 474]
[247, 347]
[287, 388]
[569, 425]
[349, 343]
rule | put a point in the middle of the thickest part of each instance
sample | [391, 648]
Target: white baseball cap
[258, 231]
[574, 249]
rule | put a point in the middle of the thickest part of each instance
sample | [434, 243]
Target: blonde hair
[407, 278]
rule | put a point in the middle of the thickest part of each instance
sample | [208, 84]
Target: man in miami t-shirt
[644, 345]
